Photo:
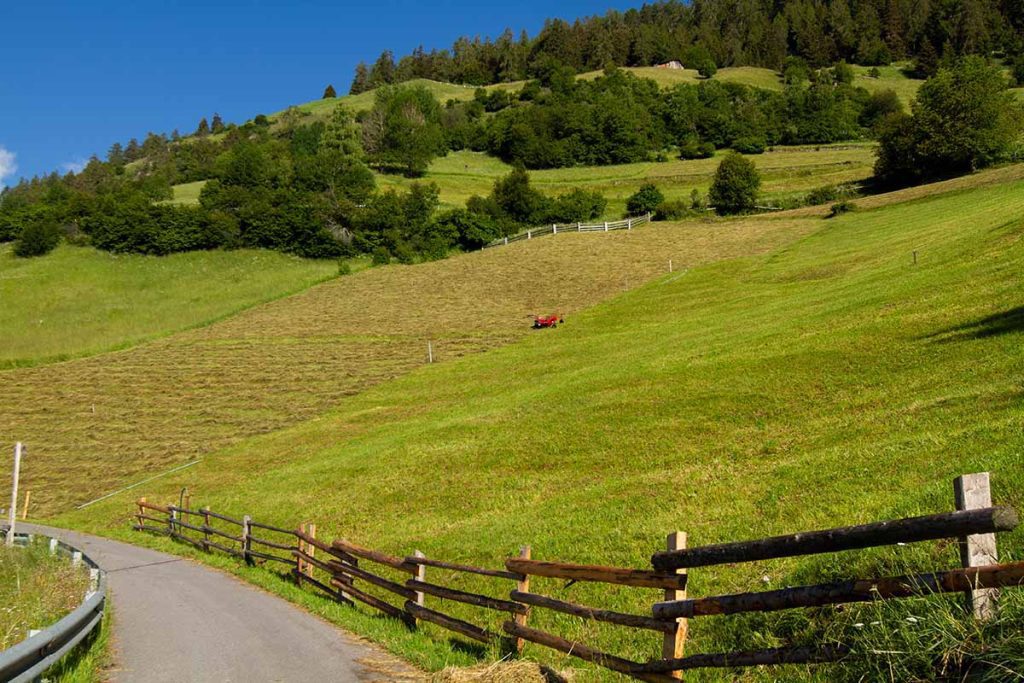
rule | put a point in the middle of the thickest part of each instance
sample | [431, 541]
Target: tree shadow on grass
[1004, 322]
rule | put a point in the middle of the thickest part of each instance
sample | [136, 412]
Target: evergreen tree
[383, 71]
[203, 128]
[217, 124]
[361, 80]
[116, 154]
[329, 92]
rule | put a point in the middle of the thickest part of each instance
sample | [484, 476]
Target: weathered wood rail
[398, 586]
[562, 228]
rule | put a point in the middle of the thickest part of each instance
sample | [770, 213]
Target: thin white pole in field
[12, 513]
[670, 265]
[430, 352]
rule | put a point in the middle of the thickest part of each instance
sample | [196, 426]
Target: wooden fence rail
[398, 585]
[562, 228]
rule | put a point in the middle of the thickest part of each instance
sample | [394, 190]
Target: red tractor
[542, 321]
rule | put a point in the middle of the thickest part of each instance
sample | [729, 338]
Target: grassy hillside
[785, 171]
[119, 417]
[78, 300]
[810, 374]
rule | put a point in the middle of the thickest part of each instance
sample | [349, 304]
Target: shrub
[646, 199]
[840, 208]
[749, 145]
[672, 211]
[344, 267]
[697, 200]
[380, 256]
[576, 205]
[707, 68]
[734, 188]
[823, 195]
[37, 238]
[875, 72]
[695, 149]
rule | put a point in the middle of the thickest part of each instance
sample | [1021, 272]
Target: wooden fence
[561, 228]
[347, 572]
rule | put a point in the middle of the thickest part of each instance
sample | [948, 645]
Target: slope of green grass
[785, 171]
[187, 193]
[830, 381]
[78, 300]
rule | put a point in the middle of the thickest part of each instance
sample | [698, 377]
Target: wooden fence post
[523, 586]
[310, 548]
[972, 492]
[206, 528]
[299, 566]
[421, 575]
[142, 511]
[172, 516]
[554, 228]
[675, 642]
[606, 226]
[24, 510]
[246, 519]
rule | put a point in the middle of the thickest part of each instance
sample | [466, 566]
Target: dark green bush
[749, 145]
[840, 208]
[823, 195]
[37, 238]
[695, 149]
[672, 211]
[648, 198]
[380, 256]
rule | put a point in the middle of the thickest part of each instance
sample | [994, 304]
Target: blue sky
[78, 76]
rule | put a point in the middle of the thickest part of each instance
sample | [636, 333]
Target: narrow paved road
[175, 620]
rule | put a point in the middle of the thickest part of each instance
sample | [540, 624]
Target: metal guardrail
[556, 228]
[29, 659]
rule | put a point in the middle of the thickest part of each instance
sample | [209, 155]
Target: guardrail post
[972, 491]
[529, 234]
[579, 227]
[76, 558]
[506, 240]
[246, 531]
[523, 586]
[94, 580]
[606, 226]
[675, 643]
[629, 224]
[53, 546]
[554, 228]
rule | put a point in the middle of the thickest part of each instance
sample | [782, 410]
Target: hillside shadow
[1004, 322]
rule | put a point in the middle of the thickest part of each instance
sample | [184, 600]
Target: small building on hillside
[674, 64]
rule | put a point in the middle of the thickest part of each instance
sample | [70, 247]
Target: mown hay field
[96, 423]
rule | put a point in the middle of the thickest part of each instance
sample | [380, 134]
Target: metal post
[12, 513]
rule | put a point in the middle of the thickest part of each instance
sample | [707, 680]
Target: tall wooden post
[172, 516]
[206, 528]
[523, 587]
[300, 568]
[24, 509]
[12, 513]
[310, 548]
[972, 492]
[246, 528]
[675, 643]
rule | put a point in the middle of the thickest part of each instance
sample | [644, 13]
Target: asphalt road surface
[176, 620]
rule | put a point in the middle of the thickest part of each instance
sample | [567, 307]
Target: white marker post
[12, 513]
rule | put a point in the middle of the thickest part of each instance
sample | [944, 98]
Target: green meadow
[832, 380]
[78, 300]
